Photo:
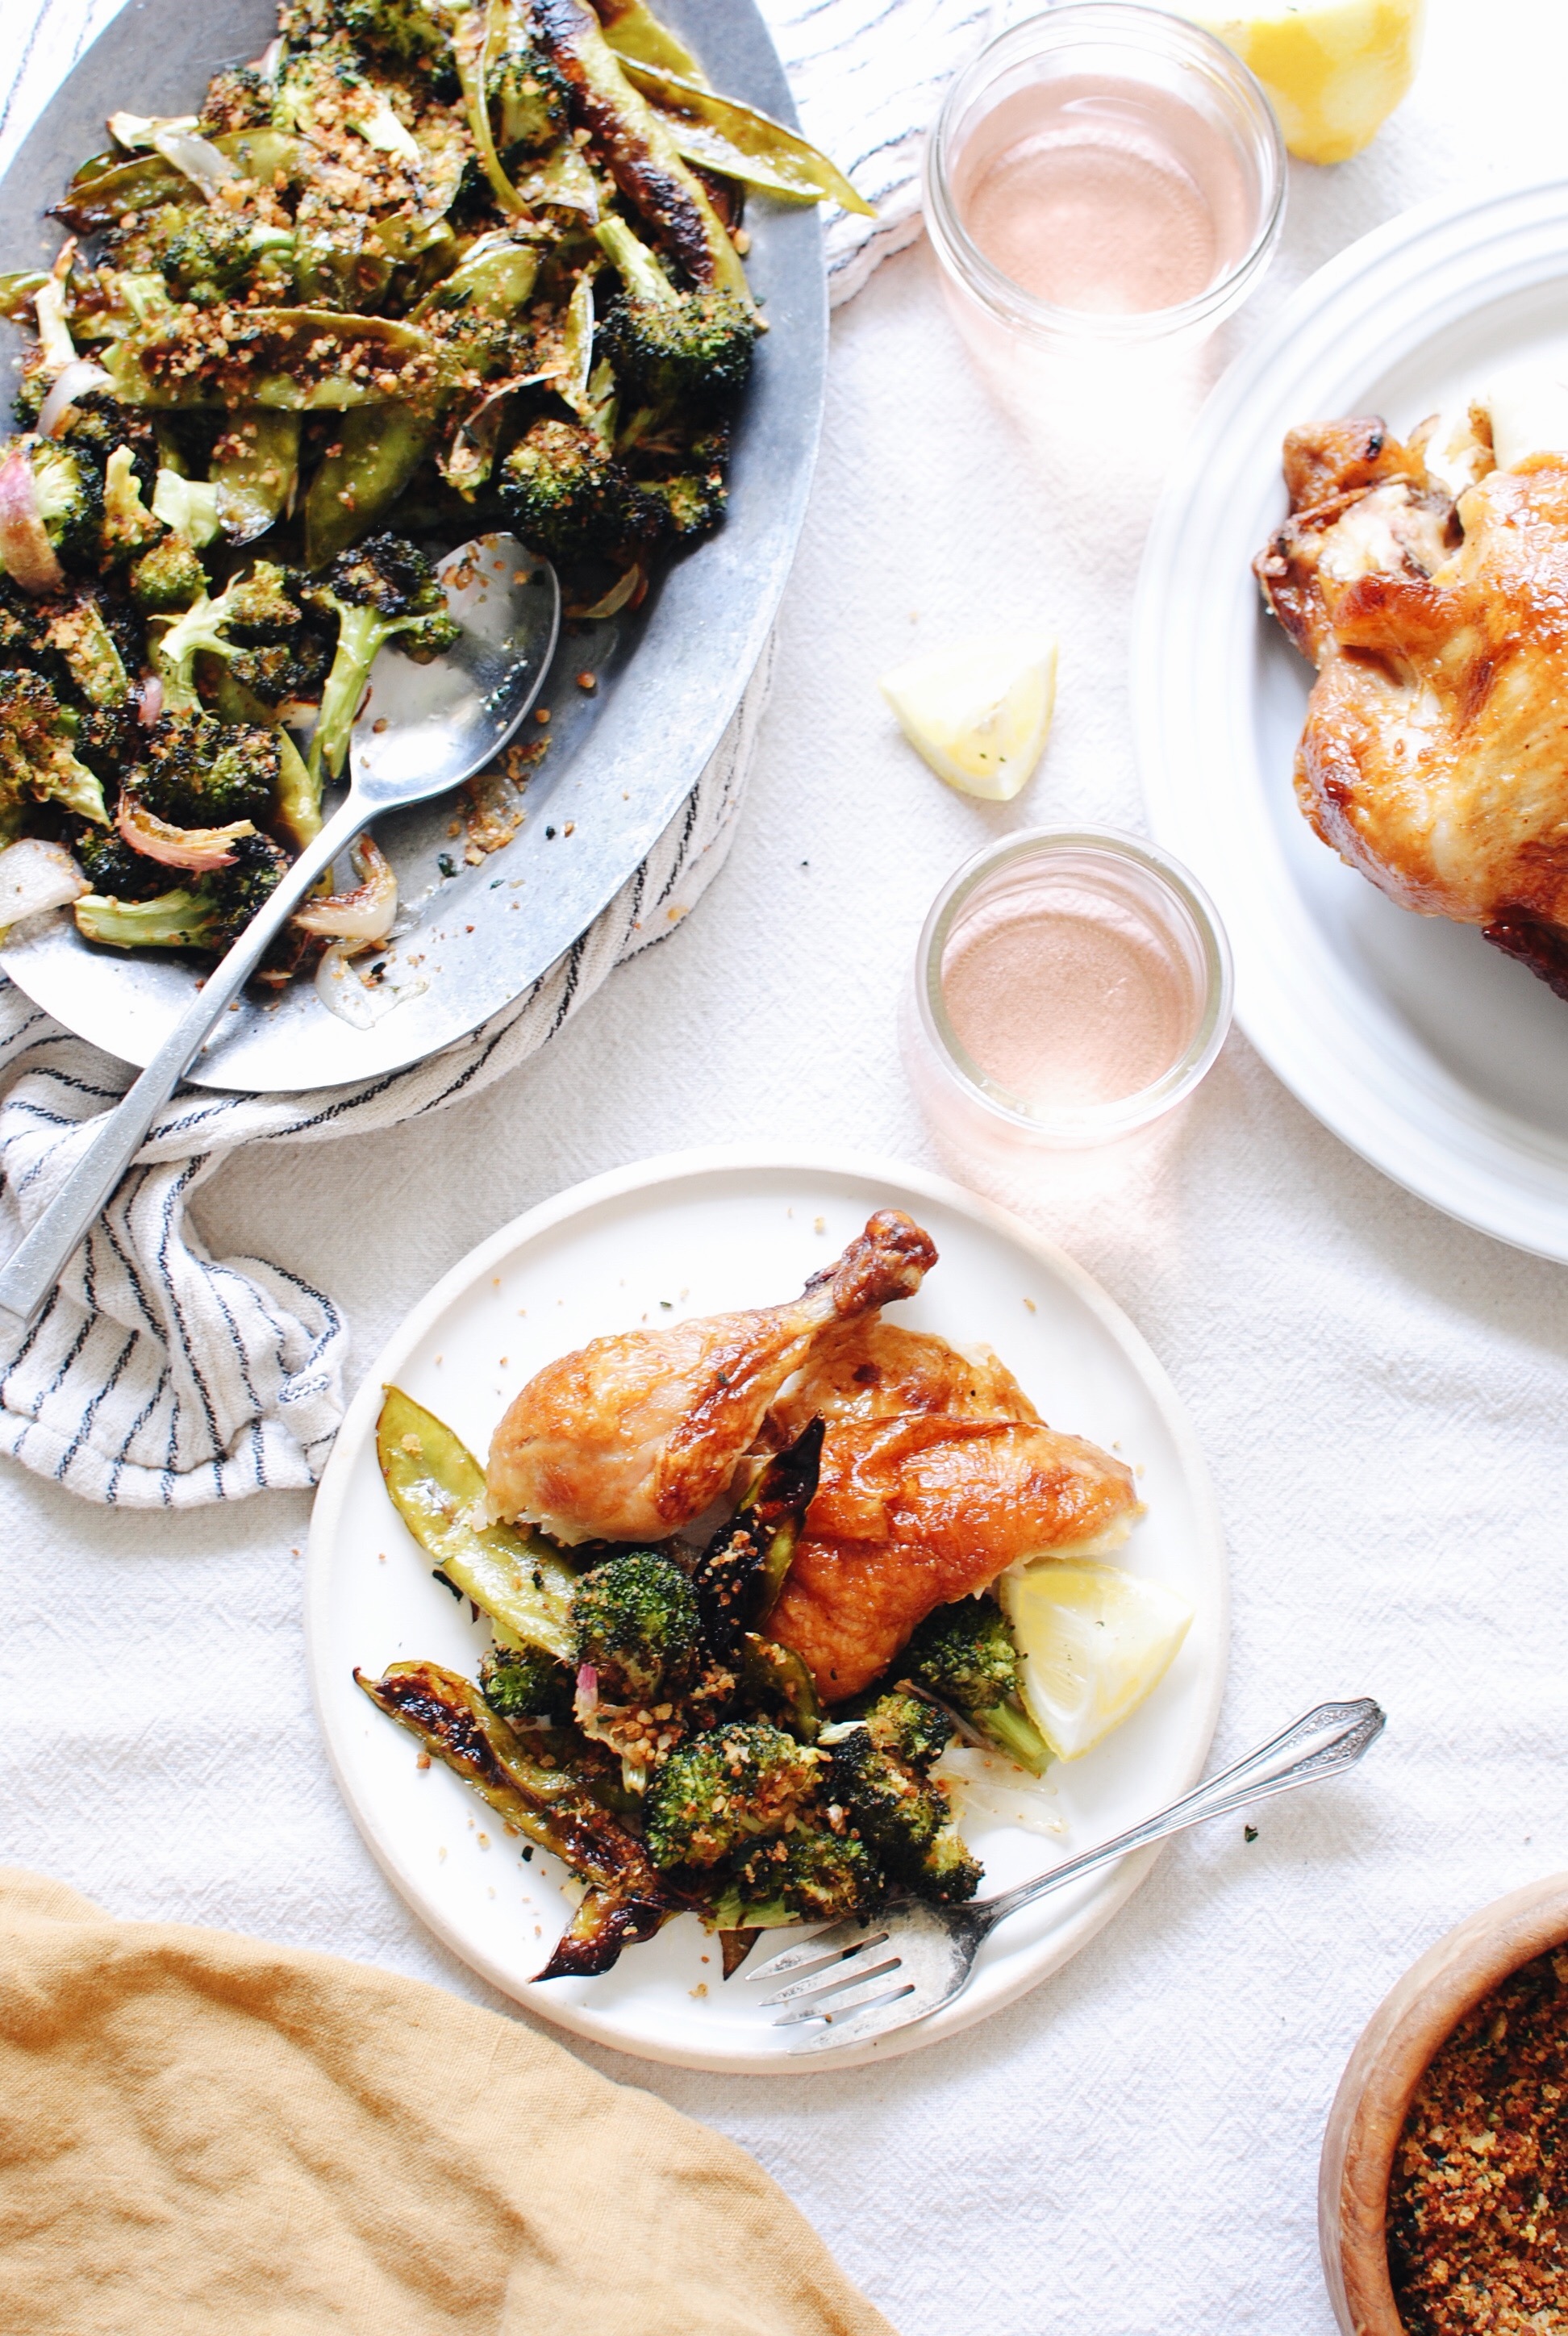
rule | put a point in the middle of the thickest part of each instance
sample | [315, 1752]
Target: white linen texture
[159, 1374]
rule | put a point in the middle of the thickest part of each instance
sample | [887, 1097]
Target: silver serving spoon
[429, 728]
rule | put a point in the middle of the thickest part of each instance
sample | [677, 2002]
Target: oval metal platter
[622, 759]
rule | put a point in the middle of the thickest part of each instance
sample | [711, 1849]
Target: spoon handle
[36, 1265]
[1319, 1744]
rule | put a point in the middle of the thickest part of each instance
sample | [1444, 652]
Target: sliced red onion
[178, 847]
[197, 159]
[587, 1691]
[57, 412]
[35, 877]
[366, 914]
[25, 552]
[151, 705]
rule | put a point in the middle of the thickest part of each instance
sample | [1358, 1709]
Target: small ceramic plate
[693, 1234]
[1439, 1060]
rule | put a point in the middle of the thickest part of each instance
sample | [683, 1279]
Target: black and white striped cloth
[159, 1376]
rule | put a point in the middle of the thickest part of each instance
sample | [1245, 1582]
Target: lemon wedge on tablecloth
[1093, 1641]
[1334, 69]
[980, 711]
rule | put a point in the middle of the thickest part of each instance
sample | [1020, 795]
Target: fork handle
[1319, 1744]
[39, 1259]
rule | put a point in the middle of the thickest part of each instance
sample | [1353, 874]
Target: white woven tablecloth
[1132, 2150]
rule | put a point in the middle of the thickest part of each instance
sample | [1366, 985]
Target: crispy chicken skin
[937, 1473]
[631, 1437]
[1435, 754]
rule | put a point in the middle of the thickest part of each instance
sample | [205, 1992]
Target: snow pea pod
[721, 134]
[372, 458]
[255, 468]
[437, 1487]
[634, 32]
[108, 185]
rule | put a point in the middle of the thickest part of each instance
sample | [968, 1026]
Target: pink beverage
[1107, 196]
[1067, 1003]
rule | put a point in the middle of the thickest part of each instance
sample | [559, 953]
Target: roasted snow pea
[606, 1922]
[777, 1511]
[371, 459]
[643, 156]
[104, 188]
[454, 1724]
[720, 134]
[18, 292]
[479, 38]
[255, 468]
[437, 1487]
[775, 1679]
[300, 359]
[634, 32]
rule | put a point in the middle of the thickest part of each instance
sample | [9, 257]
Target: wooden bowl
[1379, 2083]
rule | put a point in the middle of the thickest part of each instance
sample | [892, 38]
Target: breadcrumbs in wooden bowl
[1443, 2197]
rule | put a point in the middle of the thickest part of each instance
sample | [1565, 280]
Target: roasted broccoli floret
[807, 1877]
[38, 763]
[913, 1730]
[238, 98]
[69, 495]
[965, 1654]
[169, 578]
[564, 490]
[745, 1781]
[210, 256]
[524, 1683]
[78, 643]
[668, 346]
[383, 589]
[634, 1622]
[129, 527]
[200, 771]
[208, 913]
[528, 100]
[252, 611]
[904, 1817]
[113, 870]
[410, 32]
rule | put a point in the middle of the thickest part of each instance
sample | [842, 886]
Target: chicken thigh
[633, 1436]
[937, 1473]
[1435, 754]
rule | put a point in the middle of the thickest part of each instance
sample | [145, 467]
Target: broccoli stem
[361, 635]
[1014, 1732]
[635, 264]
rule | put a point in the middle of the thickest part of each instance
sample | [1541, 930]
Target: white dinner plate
[1437, 1059]
[691, 1234]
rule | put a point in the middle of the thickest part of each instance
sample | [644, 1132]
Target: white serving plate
[693, 1233]
[1435, 1057]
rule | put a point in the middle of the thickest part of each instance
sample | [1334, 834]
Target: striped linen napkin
[159, 1376]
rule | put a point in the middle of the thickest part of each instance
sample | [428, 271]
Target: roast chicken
[936, 1473]
[1430, 588]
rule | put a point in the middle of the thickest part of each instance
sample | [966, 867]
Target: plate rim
[902, 1179]
[1512, 1187]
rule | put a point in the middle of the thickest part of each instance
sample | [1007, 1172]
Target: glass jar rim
[1088, 1122]
[1135, 27]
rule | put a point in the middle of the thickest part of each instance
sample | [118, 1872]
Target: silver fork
[864, 1977]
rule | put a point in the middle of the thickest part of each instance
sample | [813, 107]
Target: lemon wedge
[1093, 1641]
[980, 711]
[1334, 69]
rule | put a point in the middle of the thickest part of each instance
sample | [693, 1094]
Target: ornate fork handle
[1319, 1744]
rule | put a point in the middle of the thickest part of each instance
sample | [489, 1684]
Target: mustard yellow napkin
[201, 2132]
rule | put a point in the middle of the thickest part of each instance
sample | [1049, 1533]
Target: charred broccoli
[635, 1623]
[38, 763]
[200, 771]
[524, 1683]
[169, 578]
[901, 1814]
[208, 913]
[68, 495]
[254, 611]
[383, 589]
[803, 1878]
[238, 98]
[965, 1654]
[528, 100]
[113, 870]
[672, 347]
[408, 31]
[745, 1781]
[565, 493]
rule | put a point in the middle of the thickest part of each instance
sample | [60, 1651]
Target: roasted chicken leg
[631, 1437]
[937, 1473]
[1435, 755]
